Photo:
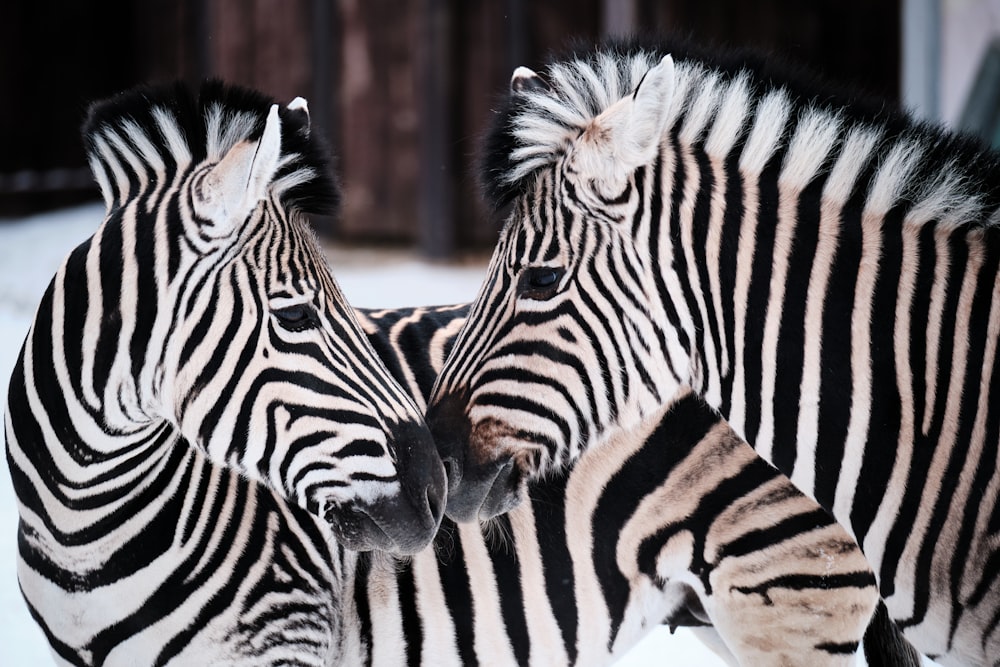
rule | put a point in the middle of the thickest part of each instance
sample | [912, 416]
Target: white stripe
[439, 647]
[935, 316]
[543, 629]
[861, 371]
[388, 647]
[490, 633]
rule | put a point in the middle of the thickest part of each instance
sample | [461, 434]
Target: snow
[30, 252]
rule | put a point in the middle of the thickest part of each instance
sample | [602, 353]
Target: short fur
[306, 163]
[503, 176]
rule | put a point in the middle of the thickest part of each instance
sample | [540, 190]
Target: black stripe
[699, 236]
[412, 623]
[110, 267]
[790, 353]
[800, 582]
[885, 412]
[836, 376]
[457, 588]
[789, 528]
[362, 573]
[732, 221]
[549, 509]
[656, 259]
[679, 259]
[147, 298]
[532, 407]
[507, 571]
[762, 265]
[845, 648]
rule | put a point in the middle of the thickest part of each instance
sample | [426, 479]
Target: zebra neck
[85, 421]
[830, 302]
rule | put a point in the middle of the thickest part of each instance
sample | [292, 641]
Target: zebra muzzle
[480, 486]
[450, 427]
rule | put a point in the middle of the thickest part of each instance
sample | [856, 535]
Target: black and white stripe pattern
[822, 274]
[577, 576]
[198, 340]
[627, 538]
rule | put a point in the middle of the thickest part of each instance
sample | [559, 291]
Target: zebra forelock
[138, 141]
[951, 178]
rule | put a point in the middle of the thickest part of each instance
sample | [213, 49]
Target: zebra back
[823, 275]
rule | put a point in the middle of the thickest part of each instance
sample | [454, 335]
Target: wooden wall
[402, 90]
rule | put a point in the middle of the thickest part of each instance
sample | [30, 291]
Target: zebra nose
[450, 428]
[421, 472]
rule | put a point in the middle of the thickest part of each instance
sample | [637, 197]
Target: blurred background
[403, 89]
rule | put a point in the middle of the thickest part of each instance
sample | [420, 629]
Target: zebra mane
[138, 140]
[952, 175]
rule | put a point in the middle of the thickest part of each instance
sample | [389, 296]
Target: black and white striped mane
[138, 140]
[534, 128]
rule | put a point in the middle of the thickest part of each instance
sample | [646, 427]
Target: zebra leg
[806, 600]
[885, 645]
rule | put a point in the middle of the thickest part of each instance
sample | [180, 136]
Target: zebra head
[210, 308]
[563, 346]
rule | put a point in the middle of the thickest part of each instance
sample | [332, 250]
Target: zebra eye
[298, 317]
[539, 282]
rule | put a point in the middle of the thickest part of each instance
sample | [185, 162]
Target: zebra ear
[628, 134]
[650, 108]
[524, 80]
[231, 189]
[299, 106]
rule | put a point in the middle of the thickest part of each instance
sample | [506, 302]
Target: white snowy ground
[31, 250]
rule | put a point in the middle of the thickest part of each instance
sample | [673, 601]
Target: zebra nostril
[453, 472]
[419, 467]
[436, 501]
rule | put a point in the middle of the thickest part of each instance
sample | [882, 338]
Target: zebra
[821, 271]
[198, 331]
[284, 591]
[217, 567]
[623, 540]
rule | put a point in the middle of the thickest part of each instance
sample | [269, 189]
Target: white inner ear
[230, 191]
[628, 134]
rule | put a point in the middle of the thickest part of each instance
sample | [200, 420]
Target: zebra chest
[213, 569]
